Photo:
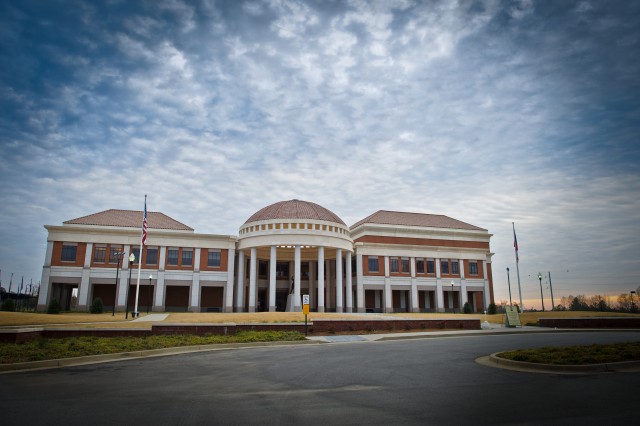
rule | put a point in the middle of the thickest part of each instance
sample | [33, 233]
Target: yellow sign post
[305, 310]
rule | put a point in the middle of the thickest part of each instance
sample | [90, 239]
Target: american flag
[144, 223]
[515, 241]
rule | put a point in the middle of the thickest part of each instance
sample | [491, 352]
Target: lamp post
[553, 304]
[132, 259]
[509, 283]
[149, 294]
[541, 296]
[118, 254]
[453, 306]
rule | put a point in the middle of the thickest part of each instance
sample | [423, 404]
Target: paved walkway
[151, 318]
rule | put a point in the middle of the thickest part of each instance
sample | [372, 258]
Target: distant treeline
[625, 302]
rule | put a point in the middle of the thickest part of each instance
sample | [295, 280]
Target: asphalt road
[433, 381]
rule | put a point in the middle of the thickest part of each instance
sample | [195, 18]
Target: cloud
[490, 113]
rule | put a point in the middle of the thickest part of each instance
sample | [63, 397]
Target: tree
[579, 304]
[492, 309]
[624, 302]
[96, 306]
[467, 308]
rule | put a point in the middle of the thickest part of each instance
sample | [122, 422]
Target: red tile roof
[295, 209]
[129, 219]
[415, 219]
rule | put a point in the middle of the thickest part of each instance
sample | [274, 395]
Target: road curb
[496, 361]
[122, 356]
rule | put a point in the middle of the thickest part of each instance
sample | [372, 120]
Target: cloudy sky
[490, 112]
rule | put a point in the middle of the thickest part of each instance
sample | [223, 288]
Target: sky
[490, 112]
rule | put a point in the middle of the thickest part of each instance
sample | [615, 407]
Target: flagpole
[515, 245]
[142, 241]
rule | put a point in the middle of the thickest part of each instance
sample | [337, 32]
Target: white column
[195, 282]
[124, 277]
[415, 306]
[252, 279]
[339, 288]
[43, 296]
[195, 293]
[158, 305]
[349, 287]
[83, 291]
[228, 291]
[240, 287]
[359, 284]
[388, 300]
[329, 282]
[297, 302]
[312, 286]
[272, 278]
[463, 285]
[487, 293]
[320, 279]
[439, 291]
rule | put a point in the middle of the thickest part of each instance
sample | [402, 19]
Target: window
[213, 259]
[444, 266]
[394, 264]
[262, 268]
[172, 257]
[68, 253]
[473, 268]
[152, 255]
[113, 256]
[373, 264]
[420, 266]
[431, 266]
[136, 252]
[282, 270]
[99, 254]
[187, 257]
[454, 267]
[404, 264]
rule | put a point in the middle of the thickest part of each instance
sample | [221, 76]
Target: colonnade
[341, 305]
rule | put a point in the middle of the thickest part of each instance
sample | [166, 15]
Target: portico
[293, 246]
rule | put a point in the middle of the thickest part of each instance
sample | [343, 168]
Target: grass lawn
[106, 320]
[81, 346]
[577, 355]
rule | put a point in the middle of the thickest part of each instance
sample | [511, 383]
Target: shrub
[8, 305]
[466, 308]
[492, 309]
[54, 307]
[96, 306]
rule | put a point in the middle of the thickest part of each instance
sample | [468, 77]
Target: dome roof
[295, 209]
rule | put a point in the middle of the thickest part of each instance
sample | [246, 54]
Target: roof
[386, 217]
[129, 219]
[295, 209]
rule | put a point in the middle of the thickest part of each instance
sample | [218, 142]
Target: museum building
[387, 262]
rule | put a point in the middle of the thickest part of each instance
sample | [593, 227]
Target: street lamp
[553, 304]
[132, 259]
[119, 255]
[149, 293]
[541, 296]
[453, 306]
[509, 283]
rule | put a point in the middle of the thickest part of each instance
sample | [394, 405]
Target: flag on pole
[144, 224]
[515, 241]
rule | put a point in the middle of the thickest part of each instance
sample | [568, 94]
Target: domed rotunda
[291, 248]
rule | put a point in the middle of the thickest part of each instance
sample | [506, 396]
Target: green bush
[96, 306]
[54, 307]
[8, 305]
[492, 309]
[467, 308]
